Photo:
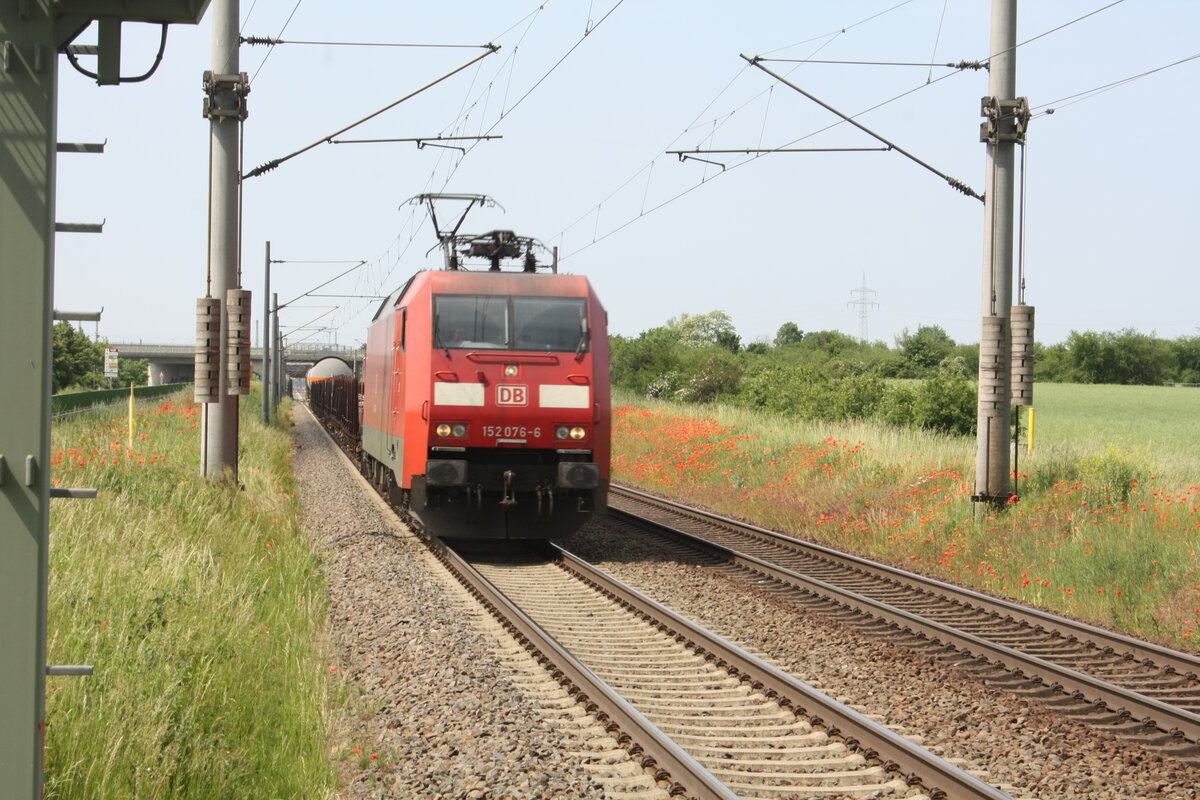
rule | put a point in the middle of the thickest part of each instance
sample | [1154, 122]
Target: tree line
[79, 363]
[827, 375]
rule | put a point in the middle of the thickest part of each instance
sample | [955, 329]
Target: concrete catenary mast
[1006, 117]
[224, 307]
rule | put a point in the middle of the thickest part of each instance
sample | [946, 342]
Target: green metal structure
[32, 33]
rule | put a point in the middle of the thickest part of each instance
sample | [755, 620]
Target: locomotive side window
[470, 321]
[550, 323]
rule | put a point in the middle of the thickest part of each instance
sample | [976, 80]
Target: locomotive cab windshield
[540, 324]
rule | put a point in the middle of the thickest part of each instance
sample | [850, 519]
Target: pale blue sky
[1112, 198]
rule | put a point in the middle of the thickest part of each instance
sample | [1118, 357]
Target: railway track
[712, 719]
[705, 718]
[1133, 689]
[766, 770]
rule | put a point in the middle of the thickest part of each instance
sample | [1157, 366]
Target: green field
[1159, 423]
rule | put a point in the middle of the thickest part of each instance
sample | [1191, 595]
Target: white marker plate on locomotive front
[563, 396]
[458, 394]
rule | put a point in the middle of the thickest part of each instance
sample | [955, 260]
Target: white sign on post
[112, 361]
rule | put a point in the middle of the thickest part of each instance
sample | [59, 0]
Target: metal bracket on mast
[996, 111]
[236, 85]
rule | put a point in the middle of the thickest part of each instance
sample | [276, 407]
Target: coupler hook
[545, 493]
[508, 499]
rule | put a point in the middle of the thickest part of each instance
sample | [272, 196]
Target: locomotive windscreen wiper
[583, 338]
[437, 334]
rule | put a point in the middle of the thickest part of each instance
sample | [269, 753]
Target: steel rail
[942, 778]
[1172, 660]
[1169, 719]
[671, 760]
[687, 773]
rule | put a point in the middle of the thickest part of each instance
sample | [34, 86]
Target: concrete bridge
[176, 363]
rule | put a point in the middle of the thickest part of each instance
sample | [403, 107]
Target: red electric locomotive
[486, 399]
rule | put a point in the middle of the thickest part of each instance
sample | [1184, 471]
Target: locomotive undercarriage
[508, 494]
[481, 496]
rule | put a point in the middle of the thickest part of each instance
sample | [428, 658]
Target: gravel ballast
[442, 704]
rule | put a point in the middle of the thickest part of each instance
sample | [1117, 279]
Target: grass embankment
[1107, 527]
[200, 605]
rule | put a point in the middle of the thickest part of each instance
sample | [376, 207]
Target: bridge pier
[163, 372]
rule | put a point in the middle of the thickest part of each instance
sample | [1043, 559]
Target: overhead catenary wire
[1058, 28]
[953, 182]
[505, 109]
[270, 165]
[412, 139]
[827, 37]
[314, 319]
[749, 150]
[323, 285]
[444, 170]
[286, 22]
[555, 66]
[375, 283]
[467, 107]
[246, 19]
[459, 122]
[766, 112]
[843, 29]
[272, 41]
[1062, 102]
[650, 164]
[504, 112]
[976, 65]
[680, 195]
[937, 38]
[537, 10]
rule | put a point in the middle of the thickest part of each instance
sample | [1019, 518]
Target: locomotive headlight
[460, 430]
[576, 433]
[562, 432]
[511, 370]
[443, 430]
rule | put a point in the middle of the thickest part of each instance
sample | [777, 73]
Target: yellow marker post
[131, 416]
[1029, 441]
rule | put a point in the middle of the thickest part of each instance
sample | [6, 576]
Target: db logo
[508, 394]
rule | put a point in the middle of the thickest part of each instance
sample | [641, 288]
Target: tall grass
[1100, 531]
[200, 605]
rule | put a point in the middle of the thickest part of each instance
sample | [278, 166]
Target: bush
[947, 402]
[898, 406]
[1113, 476]
[794, 391]
[665, 385]
[715, 375]
[858, 396]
